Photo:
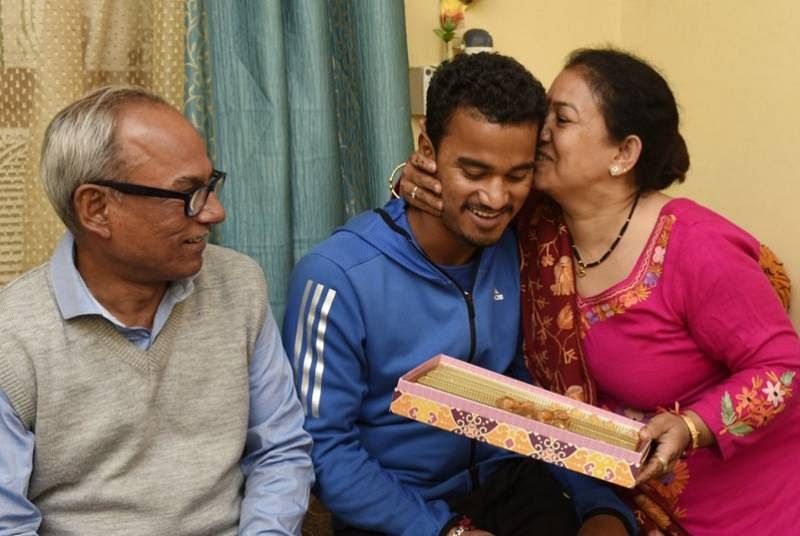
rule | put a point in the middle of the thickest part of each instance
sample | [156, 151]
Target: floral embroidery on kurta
[640, 286]
[757, 404]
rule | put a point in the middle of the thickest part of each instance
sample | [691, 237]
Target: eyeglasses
[194, 200]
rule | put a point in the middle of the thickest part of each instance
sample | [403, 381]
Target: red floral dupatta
[550, 316]
[552, 329]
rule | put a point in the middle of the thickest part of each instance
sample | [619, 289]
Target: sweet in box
[465, 399]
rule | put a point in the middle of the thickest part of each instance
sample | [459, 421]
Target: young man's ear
[424, 142]
[90, 203]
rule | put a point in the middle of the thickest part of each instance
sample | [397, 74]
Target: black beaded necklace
[583, 266]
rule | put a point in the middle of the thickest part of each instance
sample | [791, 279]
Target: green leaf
[740, 429]
[439, 33]
[449, 25]
[728, 415]
[787, 378]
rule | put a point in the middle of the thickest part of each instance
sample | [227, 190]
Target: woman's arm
[733, 315]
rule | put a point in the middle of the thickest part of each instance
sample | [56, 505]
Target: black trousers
[519, 499]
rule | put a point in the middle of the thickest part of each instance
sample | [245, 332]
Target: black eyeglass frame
[217, 180]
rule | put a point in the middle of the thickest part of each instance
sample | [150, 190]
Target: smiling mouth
[486, 214]
[198, 239]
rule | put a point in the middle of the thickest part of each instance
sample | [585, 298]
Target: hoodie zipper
[473, 336]
[473, 469]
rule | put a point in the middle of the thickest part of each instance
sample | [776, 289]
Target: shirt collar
[75, 299]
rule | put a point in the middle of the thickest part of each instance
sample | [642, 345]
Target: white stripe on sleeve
[322, 326]
[309, 356]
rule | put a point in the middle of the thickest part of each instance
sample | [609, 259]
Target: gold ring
[414, 192]
[390, 180]
[664, 463]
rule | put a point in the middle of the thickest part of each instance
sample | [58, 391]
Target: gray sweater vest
[128, 441]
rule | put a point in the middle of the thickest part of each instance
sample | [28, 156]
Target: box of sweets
[465, 399]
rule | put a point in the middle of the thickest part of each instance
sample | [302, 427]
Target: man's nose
[213, 211]
[494, 193]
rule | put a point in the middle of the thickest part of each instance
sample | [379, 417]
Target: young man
[143, 385]
[397, 286]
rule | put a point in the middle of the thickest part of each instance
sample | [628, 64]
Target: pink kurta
[697, 322]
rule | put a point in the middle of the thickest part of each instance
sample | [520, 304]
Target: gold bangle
[390, 180]
[695, 435]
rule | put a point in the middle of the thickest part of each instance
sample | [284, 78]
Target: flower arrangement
[451, 13]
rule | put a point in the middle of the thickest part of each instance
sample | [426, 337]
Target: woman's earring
[614, 169]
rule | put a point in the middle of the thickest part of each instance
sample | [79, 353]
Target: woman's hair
[635, 99]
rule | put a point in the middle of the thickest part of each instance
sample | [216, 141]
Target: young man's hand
[603, 525]
[472, 532]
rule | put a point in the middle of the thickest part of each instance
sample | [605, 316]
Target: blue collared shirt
[276, 463]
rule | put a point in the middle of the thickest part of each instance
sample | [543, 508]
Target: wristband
[462, 525]
[459, 524]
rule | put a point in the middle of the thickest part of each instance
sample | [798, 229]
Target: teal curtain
[197, 101]
[309, 112]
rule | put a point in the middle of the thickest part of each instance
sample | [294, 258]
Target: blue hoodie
[366, 306]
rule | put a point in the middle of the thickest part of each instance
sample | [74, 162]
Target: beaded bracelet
[464, 524]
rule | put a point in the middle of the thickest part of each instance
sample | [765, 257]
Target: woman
[654, 307]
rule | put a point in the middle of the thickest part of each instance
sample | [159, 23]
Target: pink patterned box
[464, 399]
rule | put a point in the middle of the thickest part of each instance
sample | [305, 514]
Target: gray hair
[80, 145]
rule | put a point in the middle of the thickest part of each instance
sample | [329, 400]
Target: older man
[143, 386]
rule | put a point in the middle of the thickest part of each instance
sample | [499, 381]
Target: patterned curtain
[52, 52]
[303, 102]
[309, 112]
